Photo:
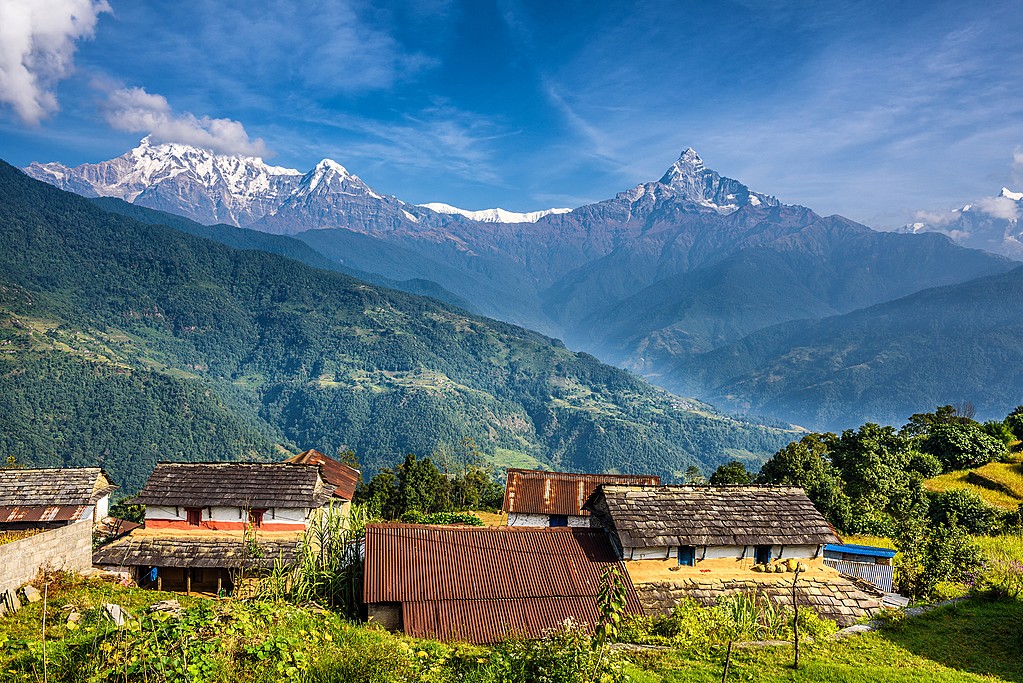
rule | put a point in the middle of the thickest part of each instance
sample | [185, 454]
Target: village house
[484, 584]
[539, 498]
[205, 522]
[53, 497]
[706, 541]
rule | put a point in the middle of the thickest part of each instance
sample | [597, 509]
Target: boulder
[32, 593]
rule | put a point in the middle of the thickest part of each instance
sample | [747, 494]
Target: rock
[11, 600]
[117, 613]
[32, 593]
[169, 606]
[74, 618]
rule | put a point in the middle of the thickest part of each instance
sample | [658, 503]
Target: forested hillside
[173, 346]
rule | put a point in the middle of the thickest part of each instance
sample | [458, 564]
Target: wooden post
[728, 661]
[188, 580]
[220, 581]
[795, 619]
[159, 579]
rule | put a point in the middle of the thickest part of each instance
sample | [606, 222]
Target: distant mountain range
[656, 279]
[991, 224]
[124, 342]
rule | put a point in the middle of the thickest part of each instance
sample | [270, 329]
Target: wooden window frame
[193, 514]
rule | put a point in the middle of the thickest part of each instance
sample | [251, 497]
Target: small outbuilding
[41, 498]
[870, 563]
[540, 498]
[484, 584]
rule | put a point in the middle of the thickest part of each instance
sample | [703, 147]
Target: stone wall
[835, 598]
[67, 547]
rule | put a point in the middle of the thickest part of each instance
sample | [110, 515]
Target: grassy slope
[975, 641]
[997, 483]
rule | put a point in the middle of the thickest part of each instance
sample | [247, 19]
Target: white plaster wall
[290, 515]
[164, 512]
[524, 519]
[102, 509]
[717, 552]
[520, 519]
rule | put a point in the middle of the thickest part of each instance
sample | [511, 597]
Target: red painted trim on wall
[220, 526]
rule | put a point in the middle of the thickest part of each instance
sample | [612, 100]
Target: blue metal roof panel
[852, 549]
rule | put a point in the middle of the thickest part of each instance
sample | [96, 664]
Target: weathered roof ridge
[342, 476]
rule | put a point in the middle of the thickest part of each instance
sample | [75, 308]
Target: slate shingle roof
[653, 517]
[256, 485]
[53, 486]
[231, 552]
[559, 493]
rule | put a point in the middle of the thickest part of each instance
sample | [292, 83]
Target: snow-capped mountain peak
[1009, 194]
[690, 182]
[497, 215]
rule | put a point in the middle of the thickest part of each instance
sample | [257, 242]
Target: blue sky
[874, 110]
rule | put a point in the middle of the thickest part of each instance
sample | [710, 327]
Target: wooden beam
[159, 579]
[188, 581]
[220, 581]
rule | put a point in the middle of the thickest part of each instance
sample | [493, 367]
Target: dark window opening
[193, 516]
[256, 517]
[687, 555]
[762, 554]
[559, 520]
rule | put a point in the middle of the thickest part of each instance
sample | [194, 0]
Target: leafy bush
[966, 508]
[465, 518]
[962, 446]
[562, 655]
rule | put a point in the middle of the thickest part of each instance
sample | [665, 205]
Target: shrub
[464, 518]
[966, 508]
[962, 446]
[563, 655]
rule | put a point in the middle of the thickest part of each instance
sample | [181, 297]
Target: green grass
[972, 641]
[975, 641]
[961, 480]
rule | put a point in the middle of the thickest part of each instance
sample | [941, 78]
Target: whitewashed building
[552, 499]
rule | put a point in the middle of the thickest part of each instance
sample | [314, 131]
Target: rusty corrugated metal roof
[560, 493]
[18, 514]
[342, 476]
[482, 584]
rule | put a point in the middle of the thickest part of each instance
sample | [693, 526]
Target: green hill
[174, 346]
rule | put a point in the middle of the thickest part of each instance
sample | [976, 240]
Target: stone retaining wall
[836, 599]
[67, 548]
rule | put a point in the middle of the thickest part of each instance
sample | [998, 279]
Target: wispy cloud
[438, 137]
[998, 207]
[137, 111]
[37, 48]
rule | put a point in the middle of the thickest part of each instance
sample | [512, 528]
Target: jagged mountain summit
[688, 180]
[991, 224]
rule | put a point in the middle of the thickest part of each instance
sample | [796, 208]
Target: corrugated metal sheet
[18, 514]
[482, 584]
[342, 476]
[560, 493]
[879, 575]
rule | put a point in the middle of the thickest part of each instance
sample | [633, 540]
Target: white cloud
[998, 207]
[37, 48]
[936, 219]
[137, 111]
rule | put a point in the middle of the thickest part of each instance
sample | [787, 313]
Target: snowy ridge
[689, 181]
[497, 215]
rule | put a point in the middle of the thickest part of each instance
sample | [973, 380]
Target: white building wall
[227, 514]
[102, 509]
[530, 519]
[717, 552]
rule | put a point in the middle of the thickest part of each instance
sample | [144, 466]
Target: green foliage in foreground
[259, 642]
